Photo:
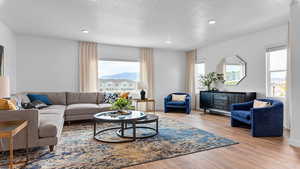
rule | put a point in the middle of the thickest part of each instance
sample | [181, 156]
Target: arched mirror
[234, 69]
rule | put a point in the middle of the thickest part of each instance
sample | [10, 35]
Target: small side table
[147, 100]
[9, 129]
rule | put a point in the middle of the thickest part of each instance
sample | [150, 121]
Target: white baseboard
[294, 142]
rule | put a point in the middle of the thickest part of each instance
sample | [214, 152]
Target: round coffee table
[150, 118]
[115, 117]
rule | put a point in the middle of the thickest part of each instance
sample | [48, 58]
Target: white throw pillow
[260, 104]
[178, 98]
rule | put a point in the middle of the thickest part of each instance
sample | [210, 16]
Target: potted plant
[122, 105]
[210, 78]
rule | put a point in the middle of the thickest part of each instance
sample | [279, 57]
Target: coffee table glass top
[116, 116]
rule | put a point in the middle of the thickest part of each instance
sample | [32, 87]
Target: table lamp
[4, 87]
[142, 86]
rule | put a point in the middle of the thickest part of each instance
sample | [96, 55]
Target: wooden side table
[147, 100]
[8, 130]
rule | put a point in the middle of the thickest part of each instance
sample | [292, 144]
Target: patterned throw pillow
[110, 97]
[124, 95]
[39, 104]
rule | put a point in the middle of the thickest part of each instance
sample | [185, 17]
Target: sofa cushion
[78, 98]
[105, 107]
[178, 97]
[177, 103]
[56, 107]
[20, 98]
[55, 110]
[40, 97]
[57, 98]
[77, 109]
[241, 114]
[49, 125]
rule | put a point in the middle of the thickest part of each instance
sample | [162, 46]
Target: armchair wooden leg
[51, 147]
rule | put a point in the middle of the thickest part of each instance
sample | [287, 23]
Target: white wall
[169, 74]
[45, 64]
[252, 49]
[8, 40]
[118, 52]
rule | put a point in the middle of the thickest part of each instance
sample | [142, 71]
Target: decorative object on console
[1, 60]
[142, 86]
[210, 78]
[234, 69]
[264, 122]
[171, 105]
[219, 102]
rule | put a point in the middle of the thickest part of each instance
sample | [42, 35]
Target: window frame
[120, 60]
[268, 71]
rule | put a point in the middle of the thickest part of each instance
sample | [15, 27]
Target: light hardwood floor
[250, 153]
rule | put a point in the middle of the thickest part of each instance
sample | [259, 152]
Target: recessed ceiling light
[168, 42]
[84, 31]
[212, 22]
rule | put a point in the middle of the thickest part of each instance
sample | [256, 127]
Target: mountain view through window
[118, 76]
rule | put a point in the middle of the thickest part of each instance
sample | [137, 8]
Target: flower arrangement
[210, 78]
[122, 104]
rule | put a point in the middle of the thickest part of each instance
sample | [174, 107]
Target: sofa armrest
[168, 98]
[188, 99]
[242, 106]
[267, 120]
[32, 116]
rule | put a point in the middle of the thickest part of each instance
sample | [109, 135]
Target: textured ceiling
[143, 23]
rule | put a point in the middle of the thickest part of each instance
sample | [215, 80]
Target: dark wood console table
[219, 101]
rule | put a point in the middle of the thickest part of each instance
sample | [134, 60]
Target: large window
[199, 71]
[118, 76]
[276, 71]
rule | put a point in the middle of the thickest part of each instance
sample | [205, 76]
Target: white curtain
[191, 61]
[88, 66]
[287, 111]
[146, 70]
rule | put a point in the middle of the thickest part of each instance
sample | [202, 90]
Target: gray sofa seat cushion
[105, 107]
[49, 125]
[56, 98]
[78, 98]
[85, 108]
[54, 109]
[57, 107]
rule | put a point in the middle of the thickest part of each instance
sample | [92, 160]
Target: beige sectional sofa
[45, 125]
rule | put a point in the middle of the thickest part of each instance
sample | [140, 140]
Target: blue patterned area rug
[78, 149]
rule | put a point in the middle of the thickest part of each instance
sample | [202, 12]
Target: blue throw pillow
[43, 98]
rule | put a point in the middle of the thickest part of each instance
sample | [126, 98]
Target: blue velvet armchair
[184, 106]
[264, 122]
